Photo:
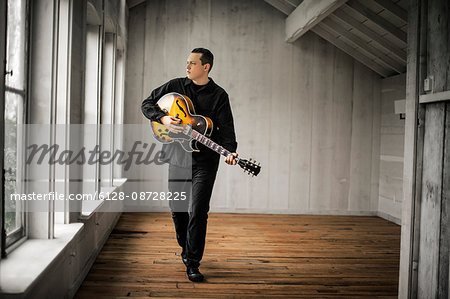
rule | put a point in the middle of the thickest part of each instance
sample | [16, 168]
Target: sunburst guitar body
[196, 128]
[180, 106]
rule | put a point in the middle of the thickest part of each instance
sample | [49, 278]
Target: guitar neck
[209, 143]
[249, 166]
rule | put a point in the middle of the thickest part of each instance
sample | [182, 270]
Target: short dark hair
[207, 56]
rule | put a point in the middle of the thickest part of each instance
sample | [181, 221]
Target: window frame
[94, 52]
[3, 16]
[18, 235]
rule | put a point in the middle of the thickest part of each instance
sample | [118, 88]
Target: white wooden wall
[392, 149]
[308, 112]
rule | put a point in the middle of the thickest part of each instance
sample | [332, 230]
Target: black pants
[190, 216]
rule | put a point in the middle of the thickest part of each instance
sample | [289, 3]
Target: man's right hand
[172, 123]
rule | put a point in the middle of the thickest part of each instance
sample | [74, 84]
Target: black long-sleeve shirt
[209, 100]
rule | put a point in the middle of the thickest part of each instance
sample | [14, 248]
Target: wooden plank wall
[433, 267]
[444, 242]
[438, 64]
[392, 140]
[308, 112]
[411, 164]
[431, 200]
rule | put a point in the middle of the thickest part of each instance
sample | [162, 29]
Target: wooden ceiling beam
[294, 3]
[307, 15]
[386, 61]
[281, 6]
[133, 3]
[378, 20]
[346, 18]
[319, 30]
[394, 9]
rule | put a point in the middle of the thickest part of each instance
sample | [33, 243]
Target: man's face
[194, 68]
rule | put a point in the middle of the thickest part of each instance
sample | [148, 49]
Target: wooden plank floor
[250, 255]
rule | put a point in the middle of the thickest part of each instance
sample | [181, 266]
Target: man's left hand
[230, 159]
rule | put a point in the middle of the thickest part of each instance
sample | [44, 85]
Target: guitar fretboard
[209, 143]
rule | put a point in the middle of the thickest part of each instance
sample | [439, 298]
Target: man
[212, 101]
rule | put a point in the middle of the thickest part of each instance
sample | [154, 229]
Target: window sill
[25, 264]
[23, 268]
[90, 207]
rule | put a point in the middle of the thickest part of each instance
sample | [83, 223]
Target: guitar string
[216, 147]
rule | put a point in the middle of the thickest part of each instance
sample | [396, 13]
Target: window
[14, 117]
[97, 99]
[91, 172]
[102, 100]
[43, 87]
[107, 106]
[118, 107]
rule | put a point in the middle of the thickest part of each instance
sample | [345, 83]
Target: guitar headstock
[250, 166]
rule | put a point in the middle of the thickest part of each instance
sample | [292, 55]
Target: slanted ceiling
[133, 3]
[371, 31]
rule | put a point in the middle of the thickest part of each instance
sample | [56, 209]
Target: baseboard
[389, 218]
[298, 212]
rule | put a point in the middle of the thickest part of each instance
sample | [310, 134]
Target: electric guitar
[196, 128]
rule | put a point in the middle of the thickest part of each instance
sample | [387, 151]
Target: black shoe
[194, 275]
